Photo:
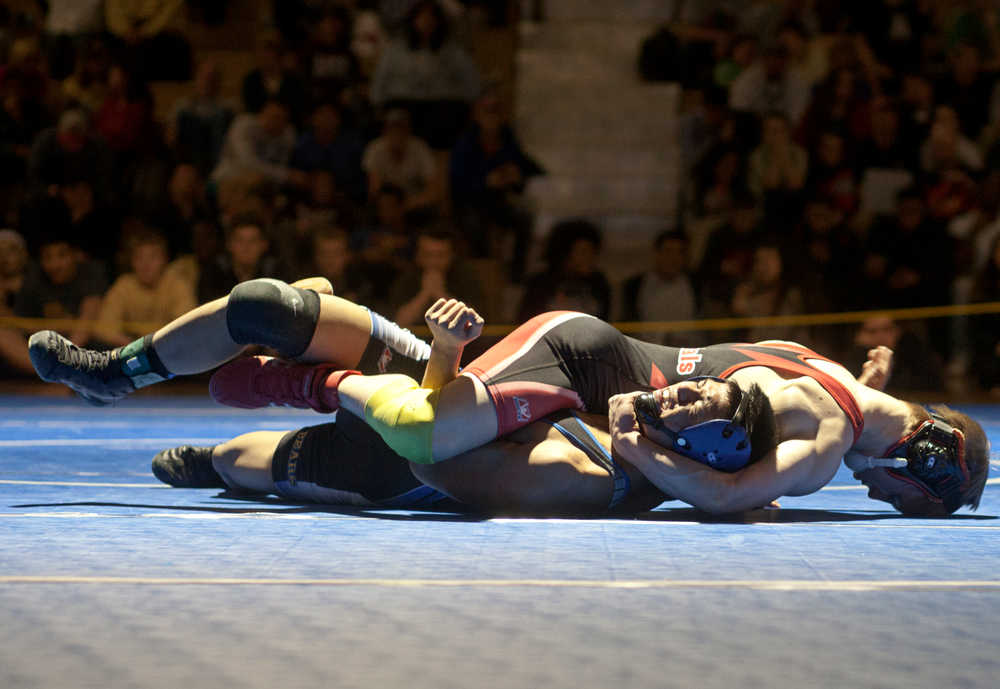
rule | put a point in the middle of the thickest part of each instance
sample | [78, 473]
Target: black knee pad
[274, 314]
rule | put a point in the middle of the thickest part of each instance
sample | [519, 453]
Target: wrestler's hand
[876, 371]
[452, 323]
[622, 423]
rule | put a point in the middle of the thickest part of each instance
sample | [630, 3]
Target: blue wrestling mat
[109, 579]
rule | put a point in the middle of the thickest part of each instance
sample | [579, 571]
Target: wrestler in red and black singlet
[569, 360]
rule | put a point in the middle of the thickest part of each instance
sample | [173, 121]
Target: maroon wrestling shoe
[259, 381]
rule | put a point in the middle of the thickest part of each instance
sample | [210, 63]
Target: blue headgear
[722, 444]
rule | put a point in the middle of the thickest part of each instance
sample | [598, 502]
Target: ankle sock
[141, 364]
[398, 339]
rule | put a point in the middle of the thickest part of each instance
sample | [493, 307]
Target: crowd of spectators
[838, 157]
[364, 145]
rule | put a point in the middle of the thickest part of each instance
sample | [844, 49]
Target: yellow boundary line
[776, 585]
[31, 324]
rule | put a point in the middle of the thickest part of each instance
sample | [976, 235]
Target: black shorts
[347, 463]
[566, 360]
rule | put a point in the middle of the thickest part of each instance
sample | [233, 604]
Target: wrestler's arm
[453, 325]
[780, 472]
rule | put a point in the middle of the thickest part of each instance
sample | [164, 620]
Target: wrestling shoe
[187, 467]
[96, 376]
[258, 381]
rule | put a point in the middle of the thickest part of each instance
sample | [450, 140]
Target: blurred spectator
[65, 286]
[329, 145]
[206, 244]
[825, 263]
[967, 89]
[70, 150]
[769, 84]
[705, 124]
[884, 148]
[985, 328]
[838, 104]
[664, 292]
[429, 75]
[437, 272]
[333, 259]
[246, 257]
[719, 179]
[367, 41]
[186, 206]
[261, 144]
[946, 147]
[728, 256]
[39, 94]
[383, 244]
[125, 118]
[270, 80]
[68, 24]
[488, 174]
[831, 176]
[87, 86]
[332, 66]
[917, 109]
[146, 297]
[768, 292]
[18, 127]
[895, 30]
[93, 226]
[742, 54]
[914, 365]
[777, 169]
[908, 257]
[13, 266]
[400, 158]
[199, 121]
[571, 280]
[145, 39]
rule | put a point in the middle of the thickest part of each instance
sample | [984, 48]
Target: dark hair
[440, 34]
[668, 235]
[393, 190]
[562, 237]
[757, 417]
[977, 452]
[246, 219]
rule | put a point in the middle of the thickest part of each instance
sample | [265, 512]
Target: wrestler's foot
[258, 381]
[876, 371]
[95, 376]
[187, 467]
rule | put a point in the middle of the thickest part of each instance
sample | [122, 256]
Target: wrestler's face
[689, 403]
[905, 497]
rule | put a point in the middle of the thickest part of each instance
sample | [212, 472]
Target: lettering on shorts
[687, 360]
[293, 456]
[384, 360]
[523, 409]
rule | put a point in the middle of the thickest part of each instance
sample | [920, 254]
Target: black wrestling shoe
[187, 467]
[95, 376]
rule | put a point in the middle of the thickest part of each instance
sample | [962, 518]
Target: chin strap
[856, 461]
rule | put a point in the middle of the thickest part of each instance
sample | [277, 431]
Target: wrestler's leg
[419, 424]
[546, 477]
[244, 462]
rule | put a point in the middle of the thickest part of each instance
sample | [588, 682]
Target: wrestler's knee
[274, 314]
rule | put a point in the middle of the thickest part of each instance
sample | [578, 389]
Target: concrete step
[605, 194]
[573, 162]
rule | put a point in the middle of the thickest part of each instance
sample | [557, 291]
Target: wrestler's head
[940, 490]
[689, 403]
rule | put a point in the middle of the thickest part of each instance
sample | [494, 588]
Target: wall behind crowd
[839, 158]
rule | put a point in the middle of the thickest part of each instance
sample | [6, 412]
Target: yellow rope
[631, 327]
